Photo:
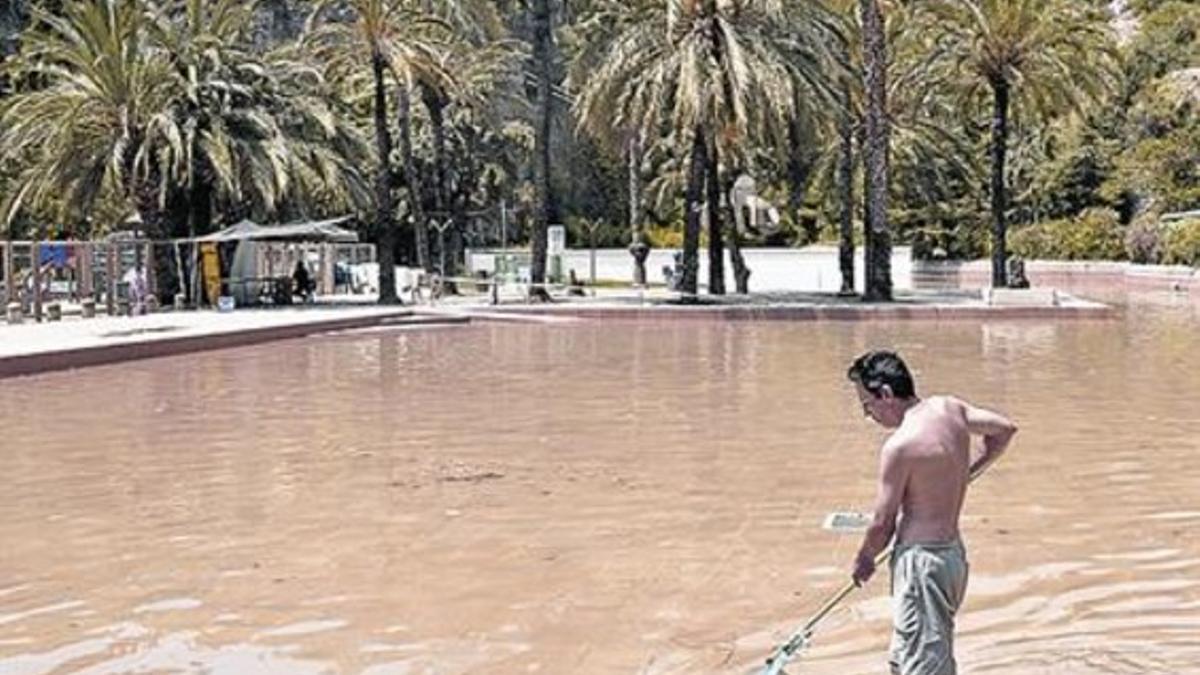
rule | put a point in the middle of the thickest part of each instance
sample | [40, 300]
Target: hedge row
[1097, 234]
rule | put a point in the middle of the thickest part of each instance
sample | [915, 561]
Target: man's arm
[996, 429]
[893, 475]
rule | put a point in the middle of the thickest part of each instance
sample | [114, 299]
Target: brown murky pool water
[587, 498]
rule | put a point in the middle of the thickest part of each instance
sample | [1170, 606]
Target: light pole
[592, 226]
[503, 259]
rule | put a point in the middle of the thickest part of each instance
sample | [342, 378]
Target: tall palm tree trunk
[637, 246]
[870, 271]
[146, 201]
[879, 282]
[741, 272]
[716, 244]
[385, 205]
[199, 194]
[865, 207]
[799, 168]
[542, 43]
[200, 205]
[436, 105]
[691, 227]
[1000, 95]
[142, 188]
[199, 198]
[413, 178]
[845, 184]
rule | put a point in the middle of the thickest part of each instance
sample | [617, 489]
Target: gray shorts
[928, 584]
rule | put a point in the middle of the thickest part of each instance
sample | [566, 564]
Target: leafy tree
[96, 118]
[388, 36]
[720, 74]
[1043, 57]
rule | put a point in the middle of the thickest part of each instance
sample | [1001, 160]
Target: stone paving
[30, 348]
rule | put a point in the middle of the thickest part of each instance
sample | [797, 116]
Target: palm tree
[1043, 55]
[162, 101]
[99, 121]
[480, 57]
[593, 34]
[326, 148]
[638, 247]
[845, 190]
[803, 157]
[924, 139]
[727, 69]
[393, 37]
[716, 243]
[875, 152]
[840, 158]
[256, 128]
[543, 45]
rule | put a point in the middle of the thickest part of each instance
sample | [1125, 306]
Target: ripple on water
[305, 628]
[169, 605]
[14, 617]
[1175, 515]
[183, 652]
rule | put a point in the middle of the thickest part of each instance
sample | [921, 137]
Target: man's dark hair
[875, 369]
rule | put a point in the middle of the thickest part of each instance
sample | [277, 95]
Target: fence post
[37, 281]
[328, 260]
[10, 290]
[110, 278]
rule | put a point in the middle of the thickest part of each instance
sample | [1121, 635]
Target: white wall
[813, 268]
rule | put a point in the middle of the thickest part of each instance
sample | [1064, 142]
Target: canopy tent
[264, 254]
[315, 231]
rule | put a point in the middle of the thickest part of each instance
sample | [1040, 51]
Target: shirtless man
[924, 469]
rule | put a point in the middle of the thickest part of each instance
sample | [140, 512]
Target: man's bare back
[933, 446]
[925, 464]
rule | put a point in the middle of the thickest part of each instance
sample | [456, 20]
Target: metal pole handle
[800, 638]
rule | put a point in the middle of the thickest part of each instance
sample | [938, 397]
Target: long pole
[503, 259]
[800, 639]
[592, 242]
[442, 251]
[503, 227]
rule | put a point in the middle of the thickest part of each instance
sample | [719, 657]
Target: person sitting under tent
[302, 282]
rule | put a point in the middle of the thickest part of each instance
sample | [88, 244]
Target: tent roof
[321, 230]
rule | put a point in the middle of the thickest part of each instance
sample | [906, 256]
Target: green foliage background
[1085, 184]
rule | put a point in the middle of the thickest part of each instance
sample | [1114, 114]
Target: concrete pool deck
[32, 348]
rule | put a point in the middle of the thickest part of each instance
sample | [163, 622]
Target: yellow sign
[210, 266]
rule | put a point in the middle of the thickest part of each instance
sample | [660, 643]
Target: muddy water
[587, 498]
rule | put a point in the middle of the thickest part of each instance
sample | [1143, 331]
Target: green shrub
[1031, 242]
[1181, 245]
[671, 236]
[1096, 234]
[1144, 239]
[664, 237]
